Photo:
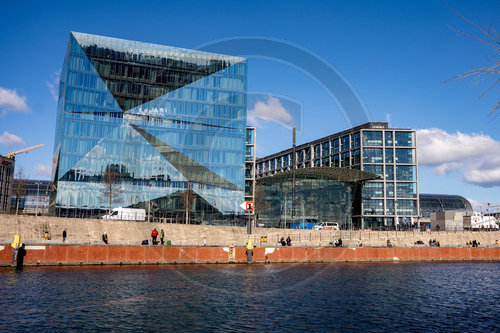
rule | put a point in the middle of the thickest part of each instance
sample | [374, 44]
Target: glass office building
[371, 147]
[6, 179]
[30, 196]
[170, 122]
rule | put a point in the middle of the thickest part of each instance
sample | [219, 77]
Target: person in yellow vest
[16, 244]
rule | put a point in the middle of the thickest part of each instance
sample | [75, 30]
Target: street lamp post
[396, 222]
[149, 202]
[37, 192]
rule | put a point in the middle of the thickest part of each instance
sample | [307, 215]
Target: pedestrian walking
[64, 235]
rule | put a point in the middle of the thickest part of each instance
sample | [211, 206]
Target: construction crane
[25, 150]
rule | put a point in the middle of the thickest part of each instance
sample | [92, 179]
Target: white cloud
[475, 156]
[10, 100]
[43, 170]
[482, 206]
[54, 85]
[270, 111]
[10, 140]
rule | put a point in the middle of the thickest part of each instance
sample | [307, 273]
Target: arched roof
[443, 202]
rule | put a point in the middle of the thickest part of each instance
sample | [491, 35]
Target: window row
[390, 138]
[401, 207]
[376, 190]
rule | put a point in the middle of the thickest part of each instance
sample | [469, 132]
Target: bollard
[16, 245]
[249, 251]
[20, 258]
[249, 256]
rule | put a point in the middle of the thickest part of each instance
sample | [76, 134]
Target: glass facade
[375, 148]
[321, 195]
[430, 203]
[31, 196]
[171, 122]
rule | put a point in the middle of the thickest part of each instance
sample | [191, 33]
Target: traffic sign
[248, 205]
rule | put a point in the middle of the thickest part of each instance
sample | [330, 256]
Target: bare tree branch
[482, 74]
[112, 187]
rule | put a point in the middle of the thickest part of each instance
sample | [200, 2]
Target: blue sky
[395, 54]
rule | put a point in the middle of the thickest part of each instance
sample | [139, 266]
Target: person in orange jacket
[154, 234]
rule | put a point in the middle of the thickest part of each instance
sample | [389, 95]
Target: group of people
[287, 242]
[337, 242]
[389, 244]
[473, 243]
[434, 243]
[46, 235]
[154, 235]
[263, 239]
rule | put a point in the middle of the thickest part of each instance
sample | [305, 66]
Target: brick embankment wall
[109, 255]
[85, 231]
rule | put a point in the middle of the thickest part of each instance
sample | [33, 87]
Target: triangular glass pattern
[189, 168]
[81, 87]
[136, 72]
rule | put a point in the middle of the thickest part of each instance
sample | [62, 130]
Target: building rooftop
[370, 125]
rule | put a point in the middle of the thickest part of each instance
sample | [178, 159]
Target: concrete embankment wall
[84, 231]
[132, 255]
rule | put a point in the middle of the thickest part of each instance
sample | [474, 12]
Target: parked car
[327, 226]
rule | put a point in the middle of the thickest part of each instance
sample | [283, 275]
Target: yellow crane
[25, 150]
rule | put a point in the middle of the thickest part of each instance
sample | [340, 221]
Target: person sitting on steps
[105, 238]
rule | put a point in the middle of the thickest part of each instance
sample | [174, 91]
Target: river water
[388, 297]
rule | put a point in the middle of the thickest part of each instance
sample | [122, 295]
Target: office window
[389, 172]
[405, 155]
[372, 155]
[406, 190]
[389, 207]
[376, 169]
[388, 138]
[373, 206]
[389, 152]
[405, 172]
[345, 159]
[403, 139]
[355, 157]
[355, 140]
[372, 138]
[389, 190]
[373, 190]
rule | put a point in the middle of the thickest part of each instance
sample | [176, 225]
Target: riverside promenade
[225, 244]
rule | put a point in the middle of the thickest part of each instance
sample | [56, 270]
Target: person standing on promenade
[162, 236]
[64, 235]
[154, 234]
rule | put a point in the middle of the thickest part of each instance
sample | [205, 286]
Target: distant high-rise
[170, 122]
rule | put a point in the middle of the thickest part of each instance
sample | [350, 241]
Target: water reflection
[337, 297]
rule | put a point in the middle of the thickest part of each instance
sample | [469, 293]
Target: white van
[327, 226]
[127, 214]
